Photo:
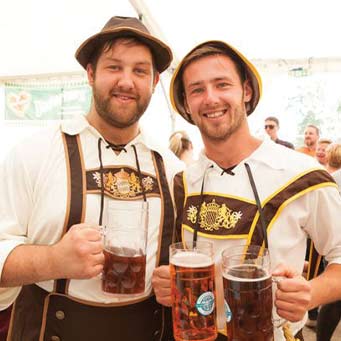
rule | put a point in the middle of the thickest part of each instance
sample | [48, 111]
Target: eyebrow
[116, 60]
[217, 79]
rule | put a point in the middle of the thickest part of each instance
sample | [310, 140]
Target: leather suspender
[75, 190]
[76, 183]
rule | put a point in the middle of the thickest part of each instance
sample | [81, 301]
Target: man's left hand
[293, 294]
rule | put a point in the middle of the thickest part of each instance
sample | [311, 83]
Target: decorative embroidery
[213, 216]
[122, 184]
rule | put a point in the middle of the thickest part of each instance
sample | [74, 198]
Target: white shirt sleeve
[15, 210]
[324, 224]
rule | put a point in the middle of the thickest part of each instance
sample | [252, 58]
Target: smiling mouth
[123, 97]
[215, 114]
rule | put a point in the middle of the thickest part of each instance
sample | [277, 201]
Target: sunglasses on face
[269, 126]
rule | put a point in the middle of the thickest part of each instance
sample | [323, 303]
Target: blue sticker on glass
[205, 303]
[228, 312]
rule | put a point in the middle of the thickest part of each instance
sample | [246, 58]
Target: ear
[247, 91]
[91, 74]
[186, 105]
[156, 79]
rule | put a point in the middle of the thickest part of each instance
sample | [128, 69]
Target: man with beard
[311, 136]
[54, 193]
[243, 191]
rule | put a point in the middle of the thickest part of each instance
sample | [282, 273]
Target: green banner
[46, 102]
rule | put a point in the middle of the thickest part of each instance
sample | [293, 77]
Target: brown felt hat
[176, 86]
[118, 27]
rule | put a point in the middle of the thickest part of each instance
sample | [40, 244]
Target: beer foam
[191, 259]
[243, 279]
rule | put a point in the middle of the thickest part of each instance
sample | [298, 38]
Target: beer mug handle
[278, 322]
[102, 231]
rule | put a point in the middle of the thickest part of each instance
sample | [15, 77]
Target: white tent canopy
[40, 36]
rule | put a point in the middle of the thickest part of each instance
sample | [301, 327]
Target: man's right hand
[161, 282]
[79, 254]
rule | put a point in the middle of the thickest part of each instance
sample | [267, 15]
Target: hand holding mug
[79, 254]
[161, 282]
[293, 294]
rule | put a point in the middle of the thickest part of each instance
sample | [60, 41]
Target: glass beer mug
[125, 242]
[248, 293]
[193, 291]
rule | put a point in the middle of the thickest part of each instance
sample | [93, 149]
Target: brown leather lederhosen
[43, 316]
[314, 261]
[249, 227]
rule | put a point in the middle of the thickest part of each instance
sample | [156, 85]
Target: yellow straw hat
[176, 85]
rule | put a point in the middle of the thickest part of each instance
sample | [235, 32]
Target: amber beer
[193, 292]
[123, 273]
[248, 293]
[124, 247]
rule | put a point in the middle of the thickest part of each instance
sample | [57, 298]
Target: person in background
[321, 148]
[330, 314]
[54, 190]
[271, 127]
[215, 87]
[315, 261]
[181, 145]
[334, 162]
[311, 136]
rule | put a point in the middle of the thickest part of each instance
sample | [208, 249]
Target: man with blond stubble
[311, 136]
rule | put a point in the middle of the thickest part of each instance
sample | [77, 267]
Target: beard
[223, 131]
[309, 143]
[119, 115]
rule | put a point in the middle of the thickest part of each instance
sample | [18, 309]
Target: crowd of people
[55, 187]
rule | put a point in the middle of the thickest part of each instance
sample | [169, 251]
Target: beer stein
[193, 291]
[125, 240]
[248, 293]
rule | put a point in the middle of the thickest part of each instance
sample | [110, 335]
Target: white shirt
[316, 213]
[33, 198]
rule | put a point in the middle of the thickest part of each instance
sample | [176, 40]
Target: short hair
[211, 49]
[316, 129]
[106, 45]
[325, 141]
[334, 155]
[273, 118]
[179, 141]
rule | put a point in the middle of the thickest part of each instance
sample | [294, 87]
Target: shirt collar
[266, 153]
[270, 154]
[80, 123]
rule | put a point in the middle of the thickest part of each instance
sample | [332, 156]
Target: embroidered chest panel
[122, 182]
[230, 217]
[219, 215]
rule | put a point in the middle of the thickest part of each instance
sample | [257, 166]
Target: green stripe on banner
[52, 102]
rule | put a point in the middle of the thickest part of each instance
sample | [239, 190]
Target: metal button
[60, 315]
[55, 338]
[157, 333]
[156, 312]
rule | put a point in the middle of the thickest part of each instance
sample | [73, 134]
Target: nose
[126, 81]
[211, 97]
